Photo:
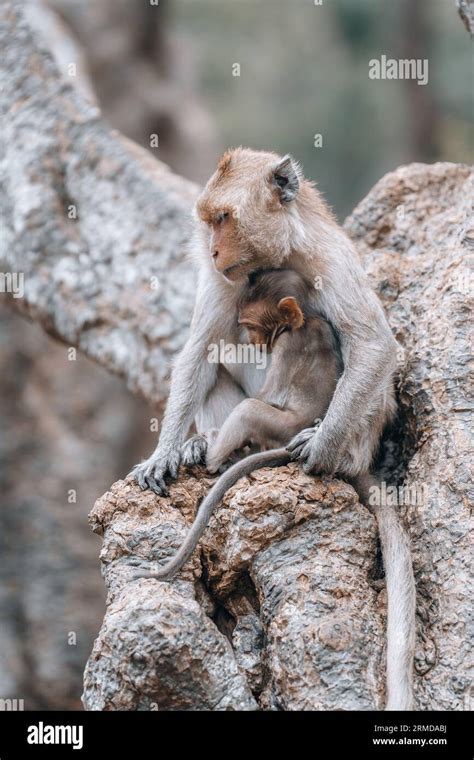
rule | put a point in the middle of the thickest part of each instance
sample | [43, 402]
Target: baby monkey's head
[272, 302]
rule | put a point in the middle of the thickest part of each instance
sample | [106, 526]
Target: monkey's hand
[299, 442]
[152, 472]
[306, 447]
[194, 450]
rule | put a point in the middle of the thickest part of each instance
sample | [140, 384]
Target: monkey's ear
[286, 177]
[291, 312]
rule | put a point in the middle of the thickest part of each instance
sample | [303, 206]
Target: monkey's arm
[367, 372]
[192, 378]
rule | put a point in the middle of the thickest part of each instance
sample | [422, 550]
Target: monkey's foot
[194, 450]
[217, 468]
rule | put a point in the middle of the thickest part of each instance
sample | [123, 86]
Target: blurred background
[169, 70]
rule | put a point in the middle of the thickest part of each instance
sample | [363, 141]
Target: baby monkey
[276, 312]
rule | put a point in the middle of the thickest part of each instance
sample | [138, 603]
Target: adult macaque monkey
[258, 212]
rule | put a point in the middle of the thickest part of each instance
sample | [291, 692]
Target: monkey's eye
[222, 217]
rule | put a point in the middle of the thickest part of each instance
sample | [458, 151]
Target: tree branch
[88, 218]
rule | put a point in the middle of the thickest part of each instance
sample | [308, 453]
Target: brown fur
[305, 366]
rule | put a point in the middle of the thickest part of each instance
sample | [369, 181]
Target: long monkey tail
[401, 598]
[272, 458]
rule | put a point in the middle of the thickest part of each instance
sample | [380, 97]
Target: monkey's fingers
[295, 451]
[156, 484]
[174, 460]
[139, 473]
[309, 458]
[146, 477]
[299, 442]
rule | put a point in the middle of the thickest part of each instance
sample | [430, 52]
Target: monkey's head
[249, 211]
[271, 303]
